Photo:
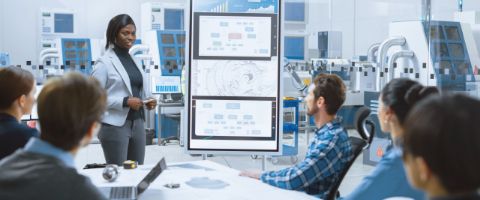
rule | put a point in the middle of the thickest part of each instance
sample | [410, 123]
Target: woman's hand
[151, 103]
[134, 103]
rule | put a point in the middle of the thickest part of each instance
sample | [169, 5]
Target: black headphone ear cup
[110, 173]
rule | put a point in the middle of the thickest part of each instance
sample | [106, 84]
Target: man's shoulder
[25, 171]
[333, 130]
[22, 159]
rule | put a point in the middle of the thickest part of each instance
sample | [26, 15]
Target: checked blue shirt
[326, 156]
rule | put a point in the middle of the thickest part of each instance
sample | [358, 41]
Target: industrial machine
[436, 53]
[168, 50]
[68, 54]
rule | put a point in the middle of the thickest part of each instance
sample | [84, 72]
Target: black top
[136, 80]
[469, 196]
[13, 135]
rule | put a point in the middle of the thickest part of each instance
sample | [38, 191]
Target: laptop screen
[151, 176]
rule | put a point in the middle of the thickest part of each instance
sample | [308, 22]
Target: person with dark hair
[17, 88]
[388, 179]
[330, 150]
[442, 147]
[123, 132]
[69, 109]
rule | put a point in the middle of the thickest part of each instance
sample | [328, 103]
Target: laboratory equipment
[330, 44]
[54, 22]
[168, 50]
[290, 129]
[70, 54]
[439, 53]
[162, 16]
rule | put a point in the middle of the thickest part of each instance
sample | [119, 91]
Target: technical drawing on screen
[234, 78]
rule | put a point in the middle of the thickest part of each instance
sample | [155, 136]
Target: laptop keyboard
[121, 193]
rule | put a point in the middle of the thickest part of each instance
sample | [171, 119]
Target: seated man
[330, 150]
[69, 110]
[442, 147]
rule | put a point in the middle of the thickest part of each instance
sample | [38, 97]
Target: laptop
[132, 192]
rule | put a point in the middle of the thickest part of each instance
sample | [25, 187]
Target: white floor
[174, 153]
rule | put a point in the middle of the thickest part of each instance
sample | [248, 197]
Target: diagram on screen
[220, 36]
[234, 78]
[233, 118]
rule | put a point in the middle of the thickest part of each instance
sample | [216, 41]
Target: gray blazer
[114, 78]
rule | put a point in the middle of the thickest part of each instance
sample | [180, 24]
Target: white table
[241, 188]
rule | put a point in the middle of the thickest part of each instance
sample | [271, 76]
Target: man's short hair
[332, 89]
[442, 130]
[67, 107]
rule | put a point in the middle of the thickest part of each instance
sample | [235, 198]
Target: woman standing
[123, 133]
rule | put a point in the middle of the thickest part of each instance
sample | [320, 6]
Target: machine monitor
[233, 36]
[173, 19]
[56, 22]
[294, 47]
[166, 84]
[295, 11]
[63, 23]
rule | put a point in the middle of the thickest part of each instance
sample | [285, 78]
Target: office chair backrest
[358, 145]
[364, 127]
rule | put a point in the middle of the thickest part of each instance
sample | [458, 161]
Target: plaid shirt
[326, 157]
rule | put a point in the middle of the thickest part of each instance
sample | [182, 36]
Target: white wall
[19, 22]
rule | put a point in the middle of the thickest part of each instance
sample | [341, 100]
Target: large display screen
[234, 36]
[234, 83]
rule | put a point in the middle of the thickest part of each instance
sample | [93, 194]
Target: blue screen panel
[294, 48]
[63, 23]
[295, 11]
[4, 59]
[173, 19]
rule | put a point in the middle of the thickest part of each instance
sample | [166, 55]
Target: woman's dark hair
[442, 130]
[402, 94]
[14, 82]
[114, 26]
[67, 107]
[332, 89]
